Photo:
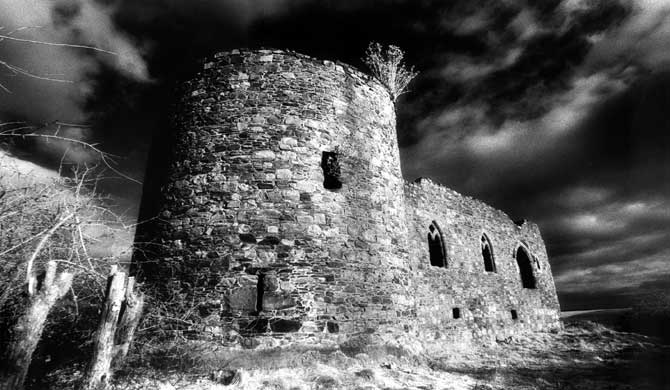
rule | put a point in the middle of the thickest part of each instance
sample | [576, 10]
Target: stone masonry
[285, 213]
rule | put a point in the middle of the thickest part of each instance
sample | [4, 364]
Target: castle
[285, 213]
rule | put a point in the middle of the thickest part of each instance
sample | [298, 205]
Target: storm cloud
[553, 111]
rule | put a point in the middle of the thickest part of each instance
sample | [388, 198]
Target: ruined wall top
[426, 186]
[243, 55]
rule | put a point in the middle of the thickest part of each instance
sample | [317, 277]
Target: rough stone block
[242, 299]
[277, 301]
[284, 174]
[263, 155]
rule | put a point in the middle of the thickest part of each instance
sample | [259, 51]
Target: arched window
[487, 254]
[436, 247]
[525, 268]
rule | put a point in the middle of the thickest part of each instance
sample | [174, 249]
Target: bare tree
[46, 231]
[387, 66]
[44, 226]
[29, 326]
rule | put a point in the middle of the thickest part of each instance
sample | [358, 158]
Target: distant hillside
[618, 319]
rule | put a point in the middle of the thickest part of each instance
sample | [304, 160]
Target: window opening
[487, 254]
[515, 315]
[436, 247]
[331, 170]
[525, 268]
[456, 313]
[260, 289]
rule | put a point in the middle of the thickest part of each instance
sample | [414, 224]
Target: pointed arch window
[487, 254]
[523, 260]
[436, 248]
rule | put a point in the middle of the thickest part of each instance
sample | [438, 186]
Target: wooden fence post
[119, 319]
[132, 311]
[99, 372]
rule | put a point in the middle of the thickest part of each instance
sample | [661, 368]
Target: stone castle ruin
[285, 213]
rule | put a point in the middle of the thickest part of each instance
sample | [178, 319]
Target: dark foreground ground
[585, 355]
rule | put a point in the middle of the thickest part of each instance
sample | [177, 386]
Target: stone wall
[484, 299]
[251, 231]
[285, 213]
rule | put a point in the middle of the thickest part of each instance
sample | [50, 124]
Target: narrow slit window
[487, 254]
[260, 289]
[515, 315]
[331, 170]
[436, 247]
[456, 313]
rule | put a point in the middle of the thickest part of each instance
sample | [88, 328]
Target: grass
[584, 356]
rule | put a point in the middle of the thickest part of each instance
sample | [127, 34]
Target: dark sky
[555, 111]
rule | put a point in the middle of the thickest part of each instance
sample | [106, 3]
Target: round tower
[284, 205]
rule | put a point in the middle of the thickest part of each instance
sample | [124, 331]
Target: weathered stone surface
[485, 299]
[242, 299]
[256, 228]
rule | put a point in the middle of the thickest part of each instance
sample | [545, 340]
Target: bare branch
[106, 158]
[22, 243]
[2, 86]
[18, 29]
[11, 38]
[11, 123]
[72, 124]
[38, 249]
[87, 270]
[18, 70]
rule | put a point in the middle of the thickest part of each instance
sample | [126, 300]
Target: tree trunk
[132, 311]
[28, 329]
[99, 372]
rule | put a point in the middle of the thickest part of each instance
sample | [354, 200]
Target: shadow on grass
[603, 359]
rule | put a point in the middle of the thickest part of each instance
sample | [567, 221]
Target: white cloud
[95, 24]
[525, 25]
[464, 131]
[90, 25]
[583, 196]
[629, 274]
[464, 69]
[593, 223]
[572, 106]
[470, 24]
[642, 39]
[528, 140]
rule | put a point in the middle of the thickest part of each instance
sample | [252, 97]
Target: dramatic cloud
[641, 39]
[563, 124]
[497, 155]
[51, 52]
[552, 110]
[35, 34]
